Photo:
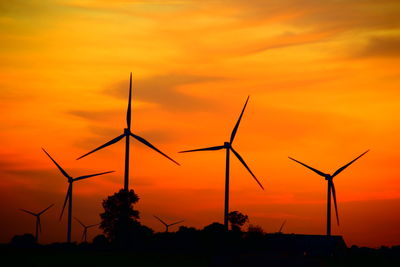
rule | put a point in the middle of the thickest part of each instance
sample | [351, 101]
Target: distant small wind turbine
[127, 133]
[166, 224]
[71, 180]
[228, 147]
[280, 229]
[85, 229]
[331, 189]
[38, 223]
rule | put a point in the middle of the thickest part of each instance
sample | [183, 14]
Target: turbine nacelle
[127, 131]
[227, 145]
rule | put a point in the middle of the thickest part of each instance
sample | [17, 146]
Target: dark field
[78, 256]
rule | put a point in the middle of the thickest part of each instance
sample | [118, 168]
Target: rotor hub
[227, 145]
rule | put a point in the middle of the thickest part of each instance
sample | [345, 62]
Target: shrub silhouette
[23, 241]
[214, 229]
[255, 230]
[100, 242]
[237, 220]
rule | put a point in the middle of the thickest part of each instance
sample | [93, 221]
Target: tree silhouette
[237, 220]
[119, 219]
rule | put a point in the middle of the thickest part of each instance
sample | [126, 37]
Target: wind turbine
[280, 229]
[71, 180]
[229, 148]
[38, 223]
[85, 228]
[127, 133]
[331, 189]
[166, 224]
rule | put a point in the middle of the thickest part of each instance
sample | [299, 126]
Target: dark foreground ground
[189, 247]
[88, 257]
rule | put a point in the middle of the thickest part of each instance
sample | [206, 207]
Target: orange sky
[323, 78]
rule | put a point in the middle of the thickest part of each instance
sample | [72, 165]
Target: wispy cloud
[166, 91]
[324, 14]
[95, 115]
[381, 46]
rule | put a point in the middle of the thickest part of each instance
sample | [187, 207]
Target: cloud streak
[382, 46]
[167, 91]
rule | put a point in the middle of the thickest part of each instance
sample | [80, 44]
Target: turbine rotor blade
[147, 143]
[348, 164]
[283, 224]
[58, 166]
[176, 223]
[113, 141]
[334, 200]
[66, 199]
[311, 168]
[160, 220]
[128, 112]
[238, 122]
[81, 223]
[27, 211]
[91, 175]
[247, 167]
[40, 224]
[92, 225]
[204, 149]
[43, 211]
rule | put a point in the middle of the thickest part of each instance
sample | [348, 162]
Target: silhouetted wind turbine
[280, 229]
[38, 223]
[166, 224]
[85, 228]
[127, 133]
[228, 147]
[71, 180]
[331, 189]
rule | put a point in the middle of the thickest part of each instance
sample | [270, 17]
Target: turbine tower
[166, 224]
[228, 147]
[38, 223]
[71, 180]
[331, 189]
[85, 229]
[127, 134]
